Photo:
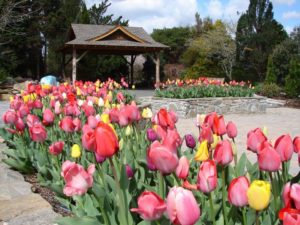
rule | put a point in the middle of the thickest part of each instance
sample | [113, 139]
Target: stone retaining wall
[188, 108]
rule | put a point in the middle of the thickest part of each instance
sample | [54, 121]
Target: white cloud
[284, 2]
[229, 11]
[291, 15]
[151, 14]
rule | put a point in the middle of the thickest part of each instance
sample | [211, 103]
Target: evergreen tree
[292, 83]
[257, 34]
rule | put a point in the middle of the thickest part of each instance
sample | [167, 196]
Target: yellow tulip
[106, 104]
[121, 144]
[128, 130]
[105, 117]
[265, 131]
[11, 98]
[75, 151]
[259, 194]
[202, 152]
[147, 113]
[216, 140]
[78, 91]
[26, 98]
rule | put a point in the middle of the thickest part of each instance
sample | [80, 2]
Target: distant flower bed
[203, 88]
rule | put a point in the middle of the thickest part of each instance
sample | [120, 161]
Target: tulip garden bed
[110, 163]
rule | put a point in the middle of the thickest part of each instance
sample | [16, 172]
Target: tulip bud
[202, 152]
[231, 130]
[129, 172]
[75, 151]
[190, 141]
[223, 153]
[259, 194]
[296, 143]
[128, 130]
[182, 170]
[151, 135]
[237, 191]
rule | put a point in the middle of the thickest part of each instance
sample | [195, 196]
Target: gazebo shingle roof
[85, 35]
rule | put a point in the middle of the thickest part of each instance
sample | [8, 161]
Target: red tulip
[37, 104]
[206, 133]
[182, 170]
[254, 138]
[88, 140]
[150, 206]
[69, 110]
[231, 130]
[268, 158]
[106, 140]
[67, 125]
[38, 133]
[162, 157]
[209, 119]
[284, 147]
[48, 117]
[10, 117]
[237, 191]
[219, 127]
[164, 119]
[296, 143]
[182, 207]
[56, 148]
[207, 177]
[23, 110]
[291, 218]
[223, 154]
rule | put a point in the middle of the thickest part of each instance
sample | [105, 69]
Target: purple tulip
[151, 135]
[99, 158]
[190, 141]
[129, 171]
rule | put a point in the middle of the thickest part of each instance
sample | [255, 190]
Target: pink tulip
[219, 127]
[77, 179]
[88, 140]
[71, 110]
[150, 206]
[162, 157]
[31, 120]
[120, 97]
[56, 148]
[92, 122]
[237, 191]
[291, 195]
[48, 117]
[182, 170]
[67, 125]
[77, 124]
[89, 110]
[182, 207]
[172, 140]
[114, 115]
[291, 219]
[284, 147]
[37, 104]
[23, 110]
[268, 158]
[20, 126]
[38, 133]
[254, 138]
[231, 130]
[295, 195]
[296, 143]
[207, 177]
[223, 154]
[99, 158]
[10, 117]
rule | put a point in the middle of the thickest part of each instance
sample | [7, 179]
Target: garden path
[18, 205]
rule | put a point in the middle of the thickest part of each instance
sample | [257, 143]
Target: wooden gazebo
[110, 40]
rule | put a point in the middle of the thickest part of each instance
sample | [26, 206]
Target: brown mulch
[47, 194]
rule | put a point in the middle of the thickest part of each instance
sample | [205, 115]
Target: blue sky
[169, 13]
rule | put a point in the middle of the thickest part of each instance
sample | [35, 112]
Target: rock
[22, 205]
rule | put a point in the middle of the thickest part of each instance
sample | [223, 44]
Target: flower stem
[212, 210]
[161, 185]
[274, 190]
[244, 211]
[122, 205]
[283, 172]
[223, 196]
[257, 218]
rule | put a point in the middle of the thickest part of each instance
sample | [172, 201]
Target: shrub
[269, 89]
[292, 81]
[271, 73]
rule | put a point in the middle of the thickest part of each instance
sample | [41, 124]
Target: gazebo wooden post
[157, 72]
[74, 62]
[63, 72]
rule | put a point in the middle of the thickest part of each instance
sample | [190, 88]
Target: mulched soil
[293, 103]
[47, 194]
